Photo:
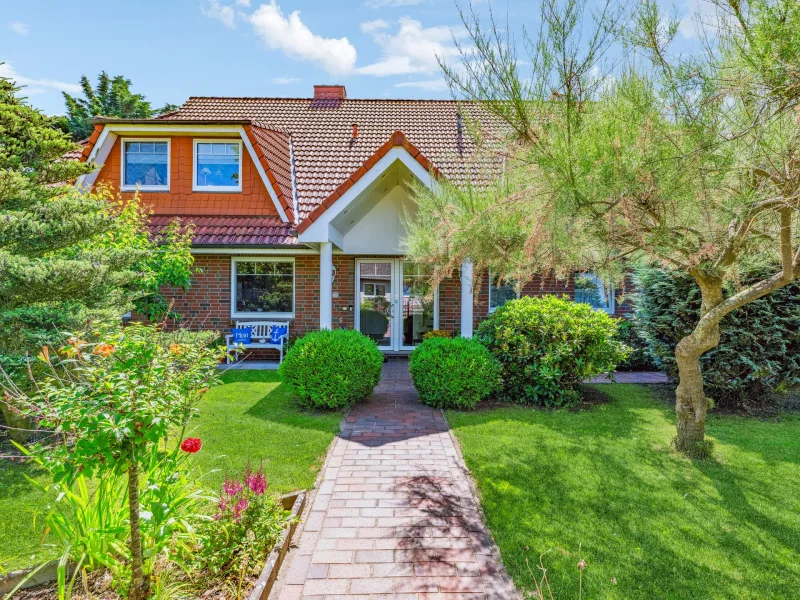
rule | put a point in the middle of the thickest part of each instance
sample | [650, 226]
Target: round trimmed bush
[332, 368]
[453, 373]
[547, 346]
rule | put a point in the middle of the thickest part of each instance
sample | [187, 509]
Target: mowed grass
[605, 480]
[251, 417]
[254, 417]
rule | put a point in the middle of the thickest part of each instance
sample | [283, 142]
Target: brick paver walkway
[632, 377]
[395, 516]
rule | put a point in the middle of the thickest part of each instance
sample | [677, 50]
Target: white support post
[466, 298]
[326, 285]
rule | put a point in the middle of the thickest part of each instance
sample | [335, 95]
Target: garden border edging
[295, 502]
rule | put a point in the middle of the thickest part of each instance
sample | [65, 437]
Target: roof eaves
[162, 121]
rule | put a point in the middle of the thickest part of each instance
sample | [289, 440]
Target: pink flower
[257, 482]
[232, 487]
[241, 506]
[191, 445]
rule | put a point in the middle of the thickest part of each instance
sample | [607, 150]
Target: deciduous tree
[620, 147]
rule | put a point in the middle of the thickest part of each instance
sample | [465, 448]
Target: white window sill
[216, 188]
[262, 316]
[142, 188]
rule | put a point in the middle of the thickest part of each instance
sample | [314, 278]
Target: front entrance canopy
[368, 219]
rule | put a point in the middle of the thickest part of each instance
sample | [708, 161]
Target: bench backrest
[263, 329]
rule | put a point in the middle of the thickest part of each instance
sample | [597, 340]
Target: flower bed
[133, 520]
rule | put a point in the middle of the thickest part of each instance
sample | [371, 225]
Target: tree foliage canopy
[111, 97]
[65, 255]
[619, 147]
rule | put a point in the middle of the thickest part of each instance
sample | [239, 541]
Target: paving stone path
[395, 516]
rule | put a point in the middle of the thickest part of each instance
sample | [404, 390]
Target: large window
[217, 166]
[592, 290]
[262, 288]
[145, 165]
[500, 292]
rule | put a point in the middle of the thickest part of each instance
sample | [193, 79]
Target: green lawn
[606, 479]
[251, 417]
[254, 417]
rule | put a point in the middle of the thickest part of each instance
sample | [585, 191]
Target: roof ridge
[342, 100]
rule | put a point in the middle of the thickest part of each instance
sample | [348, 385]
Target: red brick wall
[206, 304]
[180, 199]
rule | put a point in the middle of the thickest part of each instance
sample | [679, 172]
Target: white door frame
[395, 284]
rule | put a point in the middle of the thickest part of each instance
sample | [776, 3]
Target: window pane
[215, 167]
[500, 293]
[260, 289]
[591, 290]
[146, 164]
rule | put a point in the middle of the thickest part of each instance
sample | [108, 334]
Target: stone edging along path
[395, 515]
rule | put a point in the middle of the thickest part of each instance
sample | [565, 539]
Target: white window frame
[215, 188]
[262, 315]
[494, 308]
[612, 303]
[144, 188]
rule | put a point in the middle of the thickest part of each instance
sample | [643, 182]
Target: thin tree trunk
[139, 584]
[691, 404]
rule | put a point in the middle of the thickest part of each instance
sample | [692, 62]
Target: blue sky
[172, 49]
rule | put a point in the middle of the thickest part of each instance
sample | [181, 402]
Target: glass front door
[376, 301]
[418, 305]
[394, 305]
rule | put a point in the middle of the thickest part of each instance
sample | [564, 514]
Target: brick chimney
[329, 92]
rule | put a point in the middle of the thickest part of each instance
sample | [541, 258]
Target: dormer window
[145, 165]
[217, 166]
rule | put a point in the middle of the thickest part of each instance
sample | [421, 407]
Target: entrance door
[393, 303]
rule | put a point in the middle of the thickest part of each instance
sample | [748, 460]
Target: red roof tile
[326, 154]
[223, 231]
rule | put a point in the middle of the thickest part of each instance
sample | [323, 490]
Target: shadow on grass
[606, 479]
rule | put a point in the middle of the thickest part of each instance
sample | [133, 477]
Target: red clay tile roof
[273, 150]
[77, 152]
[326, 154]
[398, 138]
[223, 231]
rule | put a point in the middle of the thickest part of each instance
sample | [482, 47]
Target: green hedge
[547, 346]
[332, 368]
[453, 373]
[759, 349]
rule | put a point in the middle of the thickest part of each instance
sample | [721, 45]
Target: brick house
[298, 207]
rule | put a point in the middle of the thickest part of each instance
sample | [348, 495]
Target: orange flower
[76, 342]
[176, 348]
[104, 349]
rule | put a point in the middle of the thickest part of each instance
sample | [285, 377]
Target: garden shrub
[436, 333]
[453, 373]
[332, 368]
[547, 346]
[639, 358]
[759, 349]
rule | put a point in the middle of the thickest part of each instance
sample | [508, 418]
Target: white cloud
[296, 40]
[699, 13]
[413, 49]
[37, 86]
[223, 13]
[285, 80]
[432, 85]
[392, 3]
[19, 27]
[375, 25]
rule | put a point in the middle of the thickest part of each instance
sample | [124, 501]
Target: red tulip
[191, 445]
